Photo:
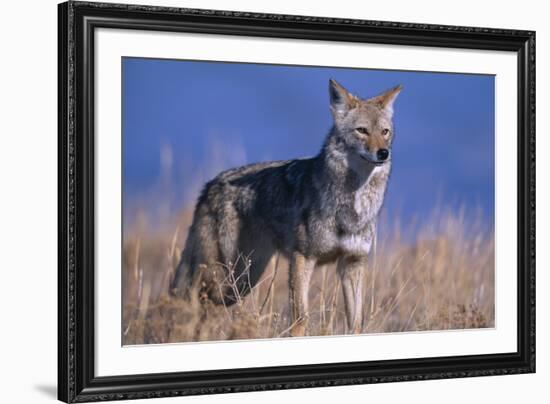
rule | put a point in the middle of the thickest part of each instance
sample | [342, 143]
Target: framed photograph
[258, 201]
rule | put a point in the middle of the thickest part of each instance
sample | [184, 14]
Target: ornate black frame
[77, 22]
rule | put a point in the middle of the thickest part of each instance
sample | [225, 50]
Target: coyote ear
[385, 100]
[341, 100]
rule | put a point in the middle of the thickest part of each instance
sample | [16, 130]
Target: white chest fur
[357, 244]
[367, 202]
[369, 197]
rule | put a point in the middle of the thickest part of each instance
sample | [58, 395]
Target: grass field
[440, 278]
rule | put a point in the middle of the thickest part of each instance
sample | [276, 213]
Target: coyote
[312, 211]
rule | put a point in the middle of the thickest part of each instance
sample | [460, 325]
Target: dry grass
[442, 278]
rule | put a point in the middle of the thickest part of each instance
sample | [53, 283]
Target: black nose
[382, 154]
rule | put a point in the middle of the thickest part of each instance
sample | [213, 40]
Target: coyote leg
[299, 276]
[351, 273]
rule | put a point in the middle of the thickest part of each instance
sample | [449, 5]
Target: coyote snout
[380, 157]
[313, 211]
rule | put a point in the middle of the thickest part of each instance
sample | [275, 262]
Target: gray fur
[313, 211]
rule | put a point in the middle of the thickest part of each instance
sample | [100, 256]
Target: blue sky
[184, 121]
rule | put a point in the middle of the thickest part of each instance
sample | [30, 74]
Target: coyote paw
[299, 328]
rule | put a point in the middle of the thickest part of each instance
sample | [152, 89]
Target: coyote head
[364, 125]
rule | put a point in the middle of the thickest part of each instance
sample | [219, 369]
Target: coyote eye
[385, 132]
[361, 130]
